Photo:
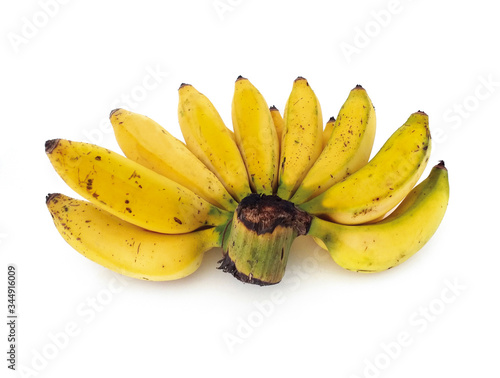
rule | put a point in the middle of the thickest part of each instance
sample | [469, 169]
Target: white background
[65, 65]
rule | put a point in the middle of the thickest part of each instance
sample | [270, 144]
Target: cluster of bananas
[154, 213]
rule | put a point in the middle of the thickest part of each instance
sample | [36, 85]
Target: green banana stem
[257, 246]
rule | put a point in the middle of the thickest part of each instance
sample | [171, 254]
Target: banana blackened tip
[332, 119]
[114, 111]
[240, 78]
[50, 145]
[273, 108]
[422, 112]
[184, 85]
[358, 86]
[441, 165]
[300, 78]
[51, 196]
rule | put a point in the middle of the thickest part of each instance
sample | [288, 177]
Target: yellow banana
[381, 184]
[210, 140]
[130, 191]
[255, 136]
[347, 150]
[125, 248]
[327, 132]
[146, 142]
[302, 139]
[279, 124]
[152, 214]
[383, 245]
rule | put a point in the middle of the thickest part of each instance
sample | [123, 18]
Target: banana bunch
[153, 213]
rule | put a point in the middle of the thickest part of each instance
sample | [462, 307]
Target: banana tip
[114, 111]
[50, 145]
[273, 108]
[184, 85]
[240, 78]
[358, 86]
[51, 196]
[422, 112]
[441, 165]
[332, 119]
[299, 78]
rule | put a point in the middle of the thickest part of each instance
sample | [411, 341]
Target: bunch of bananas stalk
[153, 213]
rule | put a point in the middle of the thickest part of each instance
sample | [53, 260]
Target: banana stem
[257, 246]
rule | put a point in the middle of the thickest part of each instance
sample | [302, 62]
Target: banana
[302, 139]
[255, 136]
[347, 150]
[279, 124]
[327, 132]
[125, 248]
[381, 184]
[383, 245]
[130, 191]
[210, 140]
[146, 142]
[153, 214]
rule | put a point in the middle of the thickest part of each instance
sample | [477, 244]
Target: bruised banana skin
[383, 245]
[302, 140]
[211, 141]
[146, 142]
[256, 136]
[130, 191]
[380, 185]
[128, 249]
[348, 149]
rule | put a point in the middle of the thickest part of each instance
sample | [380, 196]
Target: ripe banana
[278, 121]
[125, 248]
[327, 132]
[302, 139]
[208, 138]
[255, 136]
[279, 125]
[383, 245]
[252, 192]
[347, 150]
[146, 142]
[130, 191]
[381, 184]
